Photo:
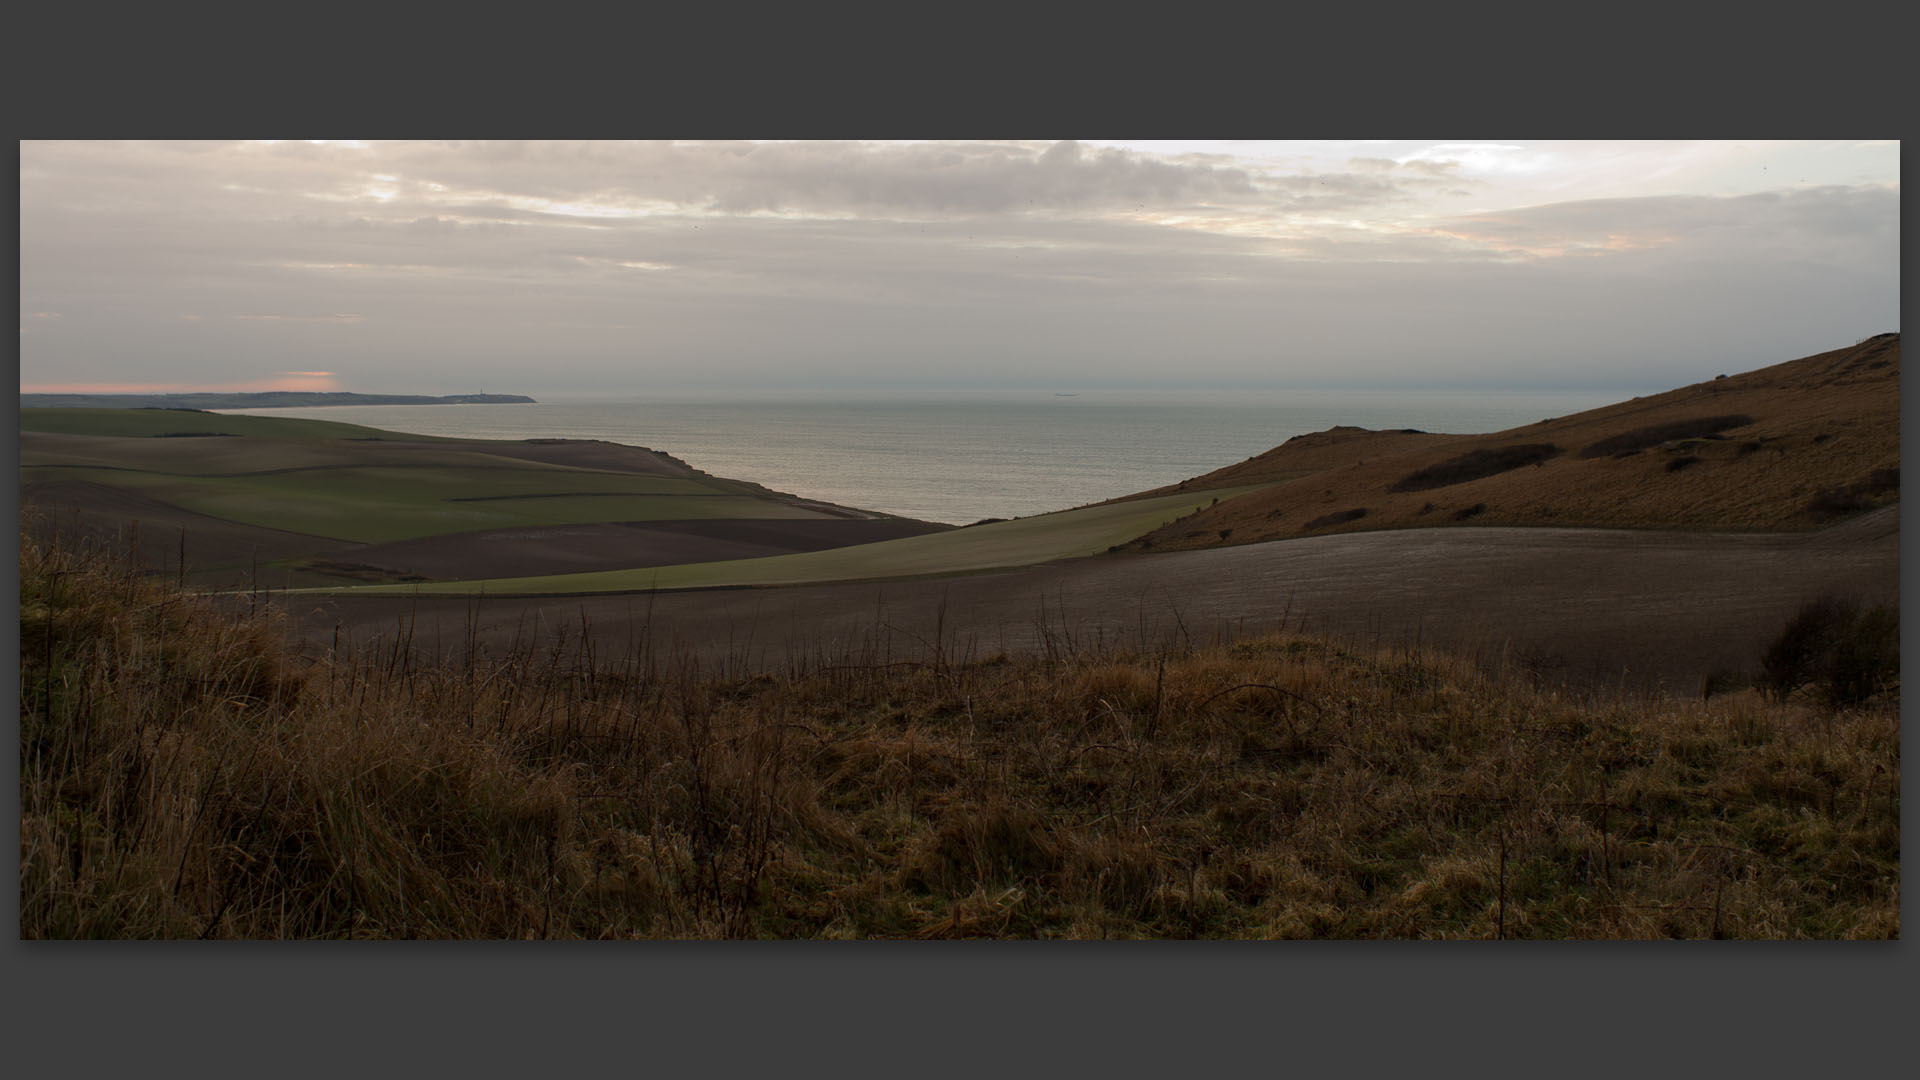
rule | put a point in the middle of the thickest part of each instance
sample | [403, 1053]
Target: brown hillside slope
[1791, 446]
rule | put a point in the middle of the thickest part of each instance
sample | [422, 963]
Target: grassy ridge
[1740, 452]
[235, 455]
[355, 484]
[377, 504]
[184, 775]
[150, 423]
[1023, 542]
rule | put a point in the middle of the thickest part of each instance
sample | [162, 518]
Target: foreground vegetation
[185, 774]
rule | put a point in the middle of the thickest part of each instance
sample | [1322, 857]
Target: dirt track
[1648, 610]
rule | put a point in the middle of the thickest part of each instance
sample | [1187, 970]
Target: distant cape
[273, 399]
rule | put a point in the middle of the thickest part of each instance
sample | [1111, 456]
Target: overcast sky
[565, 269]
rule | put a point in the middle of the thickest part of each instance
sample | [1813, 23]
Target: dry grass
[1785, 447]
[183, 776]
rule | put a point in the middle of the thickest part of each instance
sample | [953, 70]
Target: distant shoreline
[274, 399]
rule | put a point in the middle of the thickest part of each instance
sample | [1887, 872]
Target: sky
[619, 269]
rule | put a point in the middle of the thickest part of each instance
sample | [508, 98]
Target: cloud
[1480, 159]
[852, 178]
[1832, 223]
[607, 265]
[439, 184]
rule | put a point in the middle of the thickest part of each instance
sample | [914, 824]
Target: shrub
[1721, 681]
[1472, 511]
[1849, 654]
[1474, 465]
[1792, 658]
[1337, 518]
[1830, 503]
[1865, 659]
[1641, 438]
[1679, 463]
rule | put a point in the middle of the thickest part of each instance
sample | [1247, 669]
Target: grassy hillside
[148, 423]
[397, 502]
[1792, 446]
[185, 775]
[302, 497]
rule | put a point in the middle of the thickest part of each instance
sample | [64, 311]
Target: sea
[963, 456]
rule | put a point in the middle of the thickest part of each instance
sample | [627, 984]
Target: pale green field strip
[1024, 542]
[374, 505]
[160, 422]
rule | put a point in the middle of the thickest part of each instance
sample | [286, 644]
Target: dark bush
[1642, 438]
[1830, 503]
[1849, 654]
[1866, 659]
[1682, 462]
[1474, 465]
[1339, 518]
[1794, 657]
[1472, 511]
[1721, 681]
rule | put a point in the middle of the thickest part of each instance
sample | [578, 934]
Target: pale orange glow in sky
[285, 380]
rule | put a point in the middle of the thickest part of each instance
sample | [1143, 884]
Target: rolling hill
[216, 498]
[1792, 446]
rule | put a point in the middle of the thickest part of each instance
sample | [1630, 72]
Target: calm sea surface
[969, 455]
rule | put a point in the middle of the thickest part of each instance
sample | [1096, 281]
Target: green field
[1024, 542]
[354, 484]
[375, 505]
[149, 423]
[228, 456]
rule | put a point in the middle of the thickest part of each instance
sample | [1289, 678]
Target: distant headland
[272, 399]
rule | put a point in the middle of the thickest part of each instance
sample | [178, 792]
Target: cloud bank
[623, 268]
